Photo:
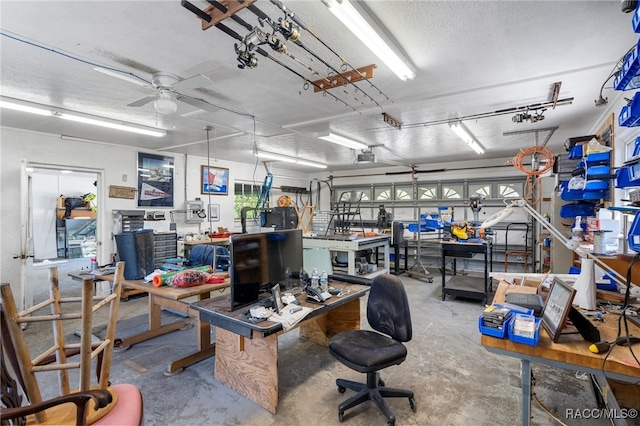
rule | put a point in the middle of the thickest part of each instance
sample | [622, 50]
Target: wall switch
[124, 178]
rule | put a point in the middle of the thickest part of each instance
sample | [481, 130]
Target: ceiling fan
[170, 89]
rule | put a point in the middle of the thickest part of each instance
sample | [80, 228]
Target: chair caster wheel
[430, 280]
[341, 416]
[391, 423]
[380, 382]
[342, 389]
[412, 404]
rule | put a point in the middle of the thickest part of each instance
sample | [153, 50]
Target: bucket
[135, 249]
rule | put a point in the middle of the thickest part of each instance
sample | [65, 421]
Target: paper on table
[289, 319]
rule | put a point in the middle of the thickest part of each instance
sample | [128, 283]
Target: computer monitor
[248, 269]
[258, 261]
[284, 250]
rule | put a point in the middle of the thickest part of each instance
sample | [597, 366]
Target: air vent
[366, 157]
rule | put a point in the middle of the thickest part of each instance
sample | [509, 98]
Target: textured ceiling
[471, 58]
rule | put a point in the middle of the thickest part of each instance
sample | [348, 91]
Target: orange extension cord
[533, 187]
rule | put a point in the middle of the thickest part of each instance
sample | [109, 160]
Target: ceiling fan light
[165, 104]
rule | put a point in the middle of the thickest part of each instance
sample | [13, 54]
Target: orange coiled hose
[532, 185]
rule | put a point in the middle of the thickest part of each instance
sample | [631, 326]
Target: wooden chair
[109, 405]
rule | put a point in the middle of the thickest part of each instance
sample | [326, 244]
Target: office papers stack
[288, 318]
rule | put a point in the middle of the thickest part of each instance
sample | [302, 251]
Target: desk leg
[322, 328]
[525, 379]
[351, 262]
[248, 366]
[155, 325]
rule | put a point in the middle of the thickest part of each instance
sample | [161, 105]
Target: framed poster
[214, 180]
[155, 180]
[557, 307]
[214, 212]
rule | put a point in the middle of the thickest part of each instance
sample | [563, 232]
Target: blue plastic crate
[629, 78]
[593, 195]
[596, 185]
[630, 114]
[598, 158]
[526, 340]
[627, 176]
[594, 172]
[635, 19]
[491, 331]
[570, 194]
[580, 209]
[575, 152]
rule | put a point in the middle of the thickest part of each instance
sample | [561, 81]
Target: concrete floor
[455, 380]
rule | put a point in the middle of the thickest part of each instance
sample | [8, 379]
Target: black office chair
[369, 351]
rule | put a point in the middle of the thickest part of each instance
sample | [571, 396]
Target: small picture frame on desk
[277, 298]
[556, 308]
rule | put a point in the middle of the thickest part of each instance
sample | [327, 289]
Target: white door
[26, 240]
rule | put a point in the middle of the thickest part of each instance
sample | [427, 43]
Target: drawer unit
[165, 246]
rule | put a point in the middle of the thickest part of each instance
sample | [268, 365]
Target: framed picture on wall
[214, 180]
[214, 212]
[155, 180]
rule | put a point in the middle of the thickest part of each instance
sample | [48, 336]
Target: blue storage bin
[630, 114]
[635, 19]
[594, 171]
[570, 195]
[598, 158]
[494, 332]
[578, 209]
[521, 339]
[628, 176]
[628, 77]
[593, 195]
[575, 152]
[596, 185]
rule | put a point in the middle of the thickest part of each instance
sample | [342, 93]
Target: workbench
[571, 355]
[351, 247]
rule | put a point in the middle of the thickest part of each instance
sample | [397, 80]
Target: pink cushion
[128, 408]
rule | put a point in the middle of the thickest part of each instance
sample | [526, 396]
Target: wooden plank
[362, 73]
[122, 192]
[217, 16]
[248, 366]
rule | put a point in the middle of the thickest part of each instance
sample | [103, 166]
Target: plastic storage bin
[494, 332]
[635, 19]
[598, 158]
[578, 209]
[575, 152]
[628, 77]
[533, 341]
[630, 114]
[135, 249]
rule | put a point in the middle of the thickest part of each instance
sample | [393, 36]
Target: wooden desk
[172, 298]
[572, 354]
[247, 354]
[466, 286]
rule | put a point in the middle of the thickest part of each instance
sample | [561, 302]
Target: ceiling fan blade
[198, 103]
[142, 101]
[131, 78]
[192, 83]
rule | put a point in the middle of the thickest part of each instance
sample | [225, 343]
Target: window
[429, 192]
[481, 189]
[404, 192]
[450, 191]
[353, 195]
[246, 195]
[383, 193]
[510, 190]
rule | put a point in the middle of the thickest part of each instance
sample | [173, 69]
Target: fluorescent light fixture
[287, 159]
[464, 134]
[122, 76]
[24, 108]
[111, 125]
[363, 26]
[341, 140]
[19, 105]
